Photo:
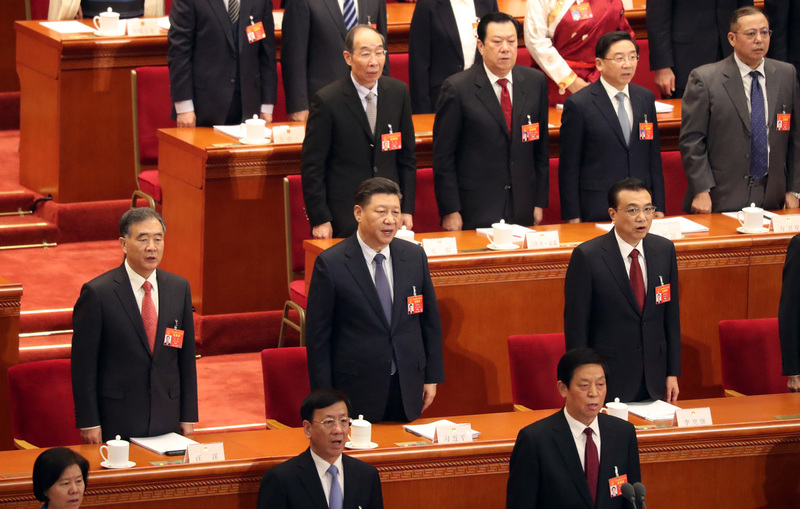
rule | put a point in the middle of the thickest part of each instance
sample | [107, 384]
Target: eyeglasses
[751, 34]
[621, 59]
[378, 54]
[648, 211]
[330, 423]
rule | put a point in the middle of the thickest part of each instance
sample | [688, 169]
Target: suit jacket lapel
[613, 260]
[353, 102]
[445, 10]
[562, 435]
[218, 8]
[166, 310]
[124, 292]
[307, 472]
[352, 483]
[485, 93]
[603, 104]
[338, 17]
[519, 109]
[358, 269]
[732, 81]
[655, 269]
[773, 85]
[400, 284]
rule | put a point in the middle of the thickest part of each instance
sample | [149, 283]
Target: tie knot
[755, 74]
[588, 432]
[503, 82]
[333, 471]
[634, 254]
[620, 96]
[147, 286]
[379, 259]
[370, 96]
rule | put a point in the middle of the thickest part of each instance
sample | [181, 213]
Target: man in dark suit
[441, 42]
[621, 299]
[372, 323]
[733, 158]
[685, 34]
[784, 17]
[569, 458]
[594, 151]
[312, 41]
[789, 316]
[343, 147]
[216, 75]
[132, 372]
[322, 477]
[483, 170]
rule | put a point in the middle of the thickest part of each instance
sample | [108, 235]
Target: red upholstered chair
[37, 9]
[552, 214]
[644, 76]
[42, 408]
[398, 65]
[675, 182]
[298, 229]
[152, 107]
[533, 359]
[426, 211]
[286, 385]
[279, 112]
[751, 357]
[524, 57]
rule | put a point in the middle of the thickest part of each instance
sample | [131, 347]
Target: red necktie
[592, 464]
[637, 280]
[505, 101]
[149, 315]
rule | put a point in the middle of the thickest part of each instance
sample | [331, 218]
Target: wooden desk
[748, 459]
[10, 294]
[485, 296]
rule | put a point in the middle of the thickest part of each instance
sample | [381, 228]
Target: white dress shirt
[324, 477]
[612, 94]
[625, 250]
[464, 12]
[576, 428]
[369, 256]
[136, 283]
[498, 89]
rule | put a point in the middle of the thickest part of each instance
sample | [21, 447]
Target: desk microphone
[639, 489]
[629, 493]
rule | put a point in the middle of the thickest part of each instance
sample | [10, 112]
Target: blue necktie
[624, 122]
[382, 285]
[349, 13]
[336, 499]
[758, 130]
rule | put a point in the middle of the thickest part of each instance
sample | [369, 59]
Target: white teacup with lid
[405, 234]
[616, 409]
[360, 433]
[117, 451]
[107, 22]
[502, 235]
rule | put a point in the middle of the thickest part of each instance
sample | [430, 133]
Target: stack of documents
[171, 442]
[428, 430]
[653, 410]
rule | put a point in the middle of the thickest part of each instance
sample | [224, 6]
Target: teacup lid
[616, 400]
[360, 421]
[502, 224]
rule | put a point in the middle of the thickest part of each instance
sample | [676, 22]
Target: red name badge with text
[530, 132]
[581, 11]
[255, 32]
[415, 305]
[391, 141]
[173, 338]
[645, 130]
[615, 485]
[475, 27]
[784, 121]
[662, 294]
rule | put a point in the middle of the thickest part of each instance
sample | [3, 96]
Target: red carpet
[9, 161]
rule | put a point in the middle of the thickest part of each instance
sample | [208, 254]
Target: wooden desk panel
[10, 294]
[726, 465]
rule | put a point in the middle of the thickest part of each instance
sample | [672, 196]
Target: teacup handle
[491, 237]
[96, 21]
[101, 452]
[604, 410]
[740, 217]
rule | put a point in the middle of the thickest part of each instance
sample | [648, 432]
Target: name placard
[541, 240]
[288, 134]
[453, 434]
[143, 26]
[786, 224]
[204, 453]
[439, 247]
[692, 417]
[670, 229]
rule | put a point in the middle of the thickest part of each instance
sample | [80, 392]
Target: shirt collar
[370, 253]
[493, 78]
[136, 280]
[745, 69]
[362, 90]
[612, 92]
[625, 248]
[576, 427]
[322, 465]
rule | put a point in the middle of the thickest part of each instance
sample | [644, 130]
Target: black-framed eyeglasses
[621, 59]
[751, 34]
[648, 211]
[330, 423]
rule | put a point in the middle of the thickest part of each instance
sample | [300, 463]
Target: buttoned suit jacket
[434, 49]
[685, 34]
[116, 382]
[545, 470]
[475, 156]
[784, 17]
[789, 310]
[349, 342]
[593, 153]
[601, 312]
[295, 484]
[715, 135]
[312, 43]
[340, 152]
[203, 63]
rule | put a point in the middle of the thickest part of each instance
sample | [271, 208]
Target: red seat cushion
[297, 293]
[286, 383]
[533, 359]
[148, 182]
[750, 353]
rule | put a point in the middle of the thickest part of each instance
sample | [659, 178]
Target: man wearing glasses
[621, 299]
[739, 140]
[321, 477]
[608, 132]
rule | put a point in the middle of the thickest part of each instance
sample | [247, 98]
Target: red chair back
[42, 408]
[286, 383]
[751, 356]
[153, 110]
[524, 57]
[398, 66]
[644, 77]
[298, 226]
[279, 111]
[675, 182]
[552, 214]
[426, 211]
[533, 359]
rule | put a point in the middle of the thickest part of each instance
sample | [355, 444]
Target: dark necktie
[336, 499]
[382, 285]
[624, 121]
[637, 279]
[149, 315]
[233, 10]
[372, 112]
[349, 13]
[592, 464]
[758, 130]
[505, 101]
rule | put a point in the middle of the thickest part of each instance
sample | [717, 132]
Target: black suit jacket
[434, 49]
[474, 155]
[295, 484]
[784, 18]
[685, 34]
[350, 344]
[601, 312]
[546, 472]
[789, 311]
[204, 59]
[593, 154]
[116, 382]
[312, 43]
[339, 152]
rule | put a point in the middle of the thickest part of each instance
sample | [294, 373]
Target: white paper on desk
[235, 131]
[687, 225]
[277, 18]
[653, 410]
[163, 443]
[664, 107]
[428, 430]
[163, 22]
[516, 230]
[766, 221]
[67, 27]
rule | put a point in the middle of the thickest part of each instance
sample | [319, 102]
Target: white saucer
[742, 229]
[106, 464]
[118, 33]
[509, 247]
[262, 141]
[351, 445]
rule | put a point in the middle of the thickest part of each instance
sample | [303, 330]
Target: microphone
[629, 493]
[639, 489]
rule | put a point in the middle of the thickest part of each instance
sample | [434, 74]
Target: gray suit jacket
[715, 135]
